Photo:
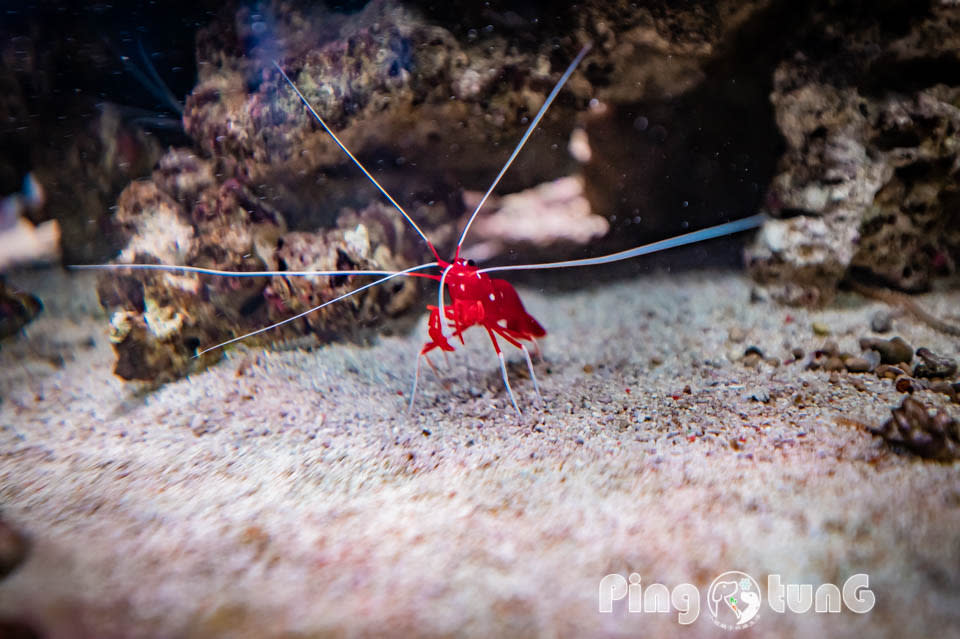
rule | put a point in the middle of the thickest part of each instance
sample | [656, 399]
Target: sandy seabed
[285, 493]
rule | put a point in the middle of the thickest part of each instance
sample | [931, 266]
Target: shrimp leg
[503, 371]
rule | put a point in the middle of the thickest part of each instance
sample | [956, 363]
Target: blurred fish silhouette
[20, 241]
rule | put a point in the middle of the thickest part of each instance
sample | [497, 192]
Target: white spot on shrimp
[492, 298]
[502, 323]
[462, 287]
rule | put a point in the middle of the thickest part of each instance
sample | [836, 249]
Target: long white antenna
[318, 307]
[355, 160]
[536, 120]
[687, 238]
[212, 271]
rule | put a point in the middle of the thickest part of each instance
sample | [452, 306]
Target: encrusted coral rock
[436, 106]
[362, 241]
[161, 320]
[402, 92]
[912, 231]
[931, 434]
[815, 251]
[869, 179]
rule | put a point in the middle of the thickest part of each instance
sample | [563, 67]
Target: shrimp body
[478, 299]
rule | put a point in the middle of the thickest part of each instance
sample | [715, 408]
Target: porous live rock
[436, 105]
[416, 98]
[183, 216]
[868, 180]
[801, 258]
[362, 241]
[921, 430]
[933, 365]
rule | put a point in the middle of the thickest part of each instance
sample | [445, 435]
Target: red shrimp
[476, 299]
[480, 300]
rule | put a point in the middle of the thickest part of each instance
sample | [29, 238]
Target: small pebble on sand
[892, 351]
[858, 365]
[820, 329]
